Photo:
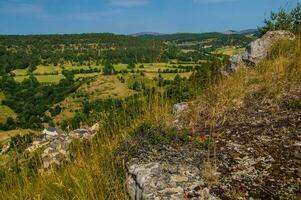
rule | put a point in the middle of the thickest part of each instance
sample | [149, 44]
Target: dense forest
[216, 39]
[20, 52]
[36, 103]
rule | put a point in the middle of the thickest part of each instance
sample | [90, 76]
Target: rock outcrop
[157, 169]
[179, 110]
[258, 50]
[256, 146]
[166, 181]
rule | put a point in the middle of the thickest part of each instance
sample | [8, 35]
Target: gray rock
[153, 181]
[258, 50]
[179, 108]
[178, 112]
[235, 62]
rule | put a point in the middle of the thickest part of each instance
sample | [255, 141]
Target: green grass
[2, 96]
[5, 113]
[52, 79]
[20, 78]
[70, 67]
[4, 135]
[167, 76]
[91, 75]
[230, 51]
[119, 67]
[20, 72]
[41, 70]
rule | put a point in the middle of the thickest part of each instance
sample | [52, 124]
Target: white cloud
[128, 3]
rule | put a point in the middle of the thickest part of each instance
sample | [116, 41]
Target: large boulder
[166, 180]
[258, 50]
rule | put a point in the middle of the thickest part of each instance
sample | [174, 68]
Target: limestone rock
[179, 108]
[153, 181]
[258, 50]
[178, 111]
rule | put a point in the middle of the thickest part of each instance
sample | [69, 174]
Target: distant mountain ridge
[246, 31]
[155, 34]
[146, 33]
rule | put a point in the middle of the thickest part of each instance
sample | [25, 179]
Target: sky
[132, 16]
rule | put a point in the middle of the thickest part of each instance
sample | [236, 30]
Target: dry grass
[4, 135]
[210, 173]
[95, 175]
[230, 51]
[272, 78]
[41, 70]
[52, 79]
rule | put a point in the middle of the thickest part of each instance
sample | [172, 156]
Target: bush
[283, 20]
[108, 70]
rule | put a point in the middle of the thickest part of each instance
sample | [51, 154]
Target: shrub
[283, 20]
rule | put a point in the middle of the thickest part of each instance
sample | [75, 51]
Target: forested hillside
[45, 78]
[180, 116]
[19, 52]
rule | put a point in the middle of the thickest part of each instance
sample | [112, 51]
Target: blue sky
[131, 16]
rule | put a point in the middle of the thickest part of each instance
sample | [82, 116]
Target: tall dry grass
[96, 172]
[272, 78]
[99, 174]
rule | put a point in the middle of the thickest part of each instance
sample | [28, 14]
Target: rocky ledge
[256, 149]
[163, 165]
[258, 50]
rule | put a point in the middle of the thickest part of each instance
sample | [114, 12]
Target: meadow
[230, 51]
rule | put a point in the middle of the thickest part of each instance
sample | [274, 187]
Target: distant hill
[181, 36]
[230, 32]
[246, 31]
[194, 36]
[146, 34]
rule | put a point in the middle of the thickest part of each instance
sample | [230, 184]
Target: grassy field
[21, 72]
[2, 96]
[52, 79]
[70, 67]
[168, 76]
[4, 135]
[5, 113]
[41, 70]
[119, 67]
[101, 87]
[230, 51]
[91, 75]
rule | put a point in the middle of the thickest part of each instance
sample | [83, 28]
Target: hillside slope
[254, 117]
[244, 139]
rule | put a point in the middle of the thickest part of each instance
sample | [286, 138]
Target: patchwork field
[100, 86]
[168, 76]
[230, 51]
[21, 72]
[52, 79]
[42, 70]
